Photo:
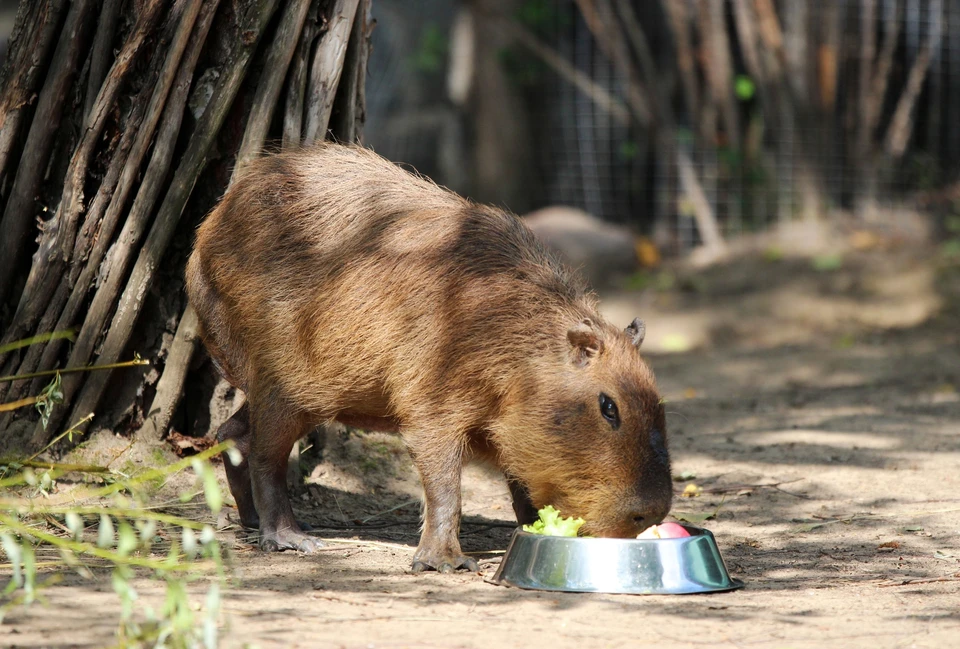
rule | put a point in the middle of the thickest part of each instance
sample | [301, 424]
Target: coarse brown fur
[333, 285]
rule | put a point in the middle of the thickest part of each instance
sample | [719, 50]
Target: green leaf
[29, 573]
[827, 263]
[551, 523]
[127, 542]
[69, 334]
[845, 341]
[950, 249]
[189, 540]
[629, 150]
[147, 529]
[207, 535]
[14, 555]
[744, 87]
[49, 397]
[74, 524]
[773, 254]
[235, 456]
[105, 533]
[211, 489]
[210, 620]
[686, 475]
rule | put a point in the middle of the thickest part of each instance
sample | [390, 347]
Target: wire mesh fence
[840, 62]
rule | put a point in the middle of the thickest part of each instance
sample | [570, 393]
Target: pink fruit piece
[664, 531]
[672, 531]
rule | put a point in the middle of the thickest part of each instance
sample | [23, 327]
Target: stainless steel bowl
[637, 566]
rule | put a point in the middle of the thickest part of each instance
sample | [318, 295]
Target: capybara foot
[254, 524]
[425, 559]
[288, 539]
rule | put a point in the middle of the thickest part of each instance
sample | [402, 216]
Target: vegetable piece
[551, 523]
[664, 531]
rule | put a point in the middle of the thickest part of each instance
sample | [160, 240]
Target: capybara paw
[443, 563]
[288, 540]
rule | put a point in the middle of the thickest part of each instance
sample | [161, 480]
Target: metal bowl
[636, 566]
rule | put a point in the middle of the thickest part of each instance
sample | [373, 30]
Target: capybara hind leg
[523, 507]
[237, 429]
[275, 431]
[439, 460]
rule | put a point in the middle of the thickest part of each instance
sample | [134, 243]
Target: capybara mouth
[616, 530]
[621, 527]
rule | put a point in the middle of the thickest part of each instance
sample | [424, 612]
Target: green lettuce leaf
[551, 523]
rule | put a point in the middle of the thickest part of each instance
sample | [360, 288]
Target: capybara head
[594, 442]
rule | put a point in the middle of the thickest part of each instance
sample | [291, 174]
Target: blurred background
[760, 173]
[688, 122]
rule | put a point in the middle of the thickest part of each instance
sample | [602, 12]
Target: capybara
[331, 284]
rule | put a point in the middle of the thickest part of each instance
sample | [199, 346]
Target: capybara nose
[643, 519]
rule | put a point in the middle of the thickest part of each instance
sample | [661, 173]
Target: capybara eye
[609, 410]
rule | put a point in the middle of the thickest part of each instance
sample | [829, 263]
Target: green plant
[432, 50]
[112, 527]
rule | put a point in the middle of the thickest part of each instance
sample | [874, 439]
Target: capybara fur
[331, 284]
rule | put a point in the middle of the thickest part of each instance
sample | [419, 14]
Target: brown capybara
[333, 285]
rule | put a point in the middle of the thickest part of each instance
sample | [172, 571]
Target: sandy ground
[820, 414]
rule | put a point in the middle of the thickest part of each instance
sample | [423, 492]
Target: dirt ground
[819, 412]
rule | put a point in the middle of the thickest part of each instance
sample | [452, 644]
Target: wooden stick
[114, 269]
[350, 104]
[718, 66]
[271, 80]
[901, 124]
[868, 13]
[922, 580]
[123, 171]
[33, 37]
[19, 403]
[170, 385]
[17, 223]
[326, 70]
[115, 189]
[59, 232]
[297, 83]
[680, 29]
[581, 81]
[881, 77]
[74, 370]
[194, 160]
[101, 53]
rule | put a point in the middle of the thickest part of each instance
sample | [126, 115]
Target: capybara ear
[635, 331]
[584, 341]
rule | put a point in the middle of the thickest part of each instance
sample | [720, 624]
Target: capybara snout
[332, 285]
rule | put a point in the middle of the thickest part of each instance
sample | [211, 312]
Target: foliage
[111, 527]
[432, 50]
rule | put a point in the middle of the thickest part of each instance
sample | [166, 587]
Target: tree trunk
[168, 97]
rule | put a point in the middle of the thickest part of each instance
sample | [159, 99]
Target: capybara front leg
[237, 429]
[439, 466]
[275, 430]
